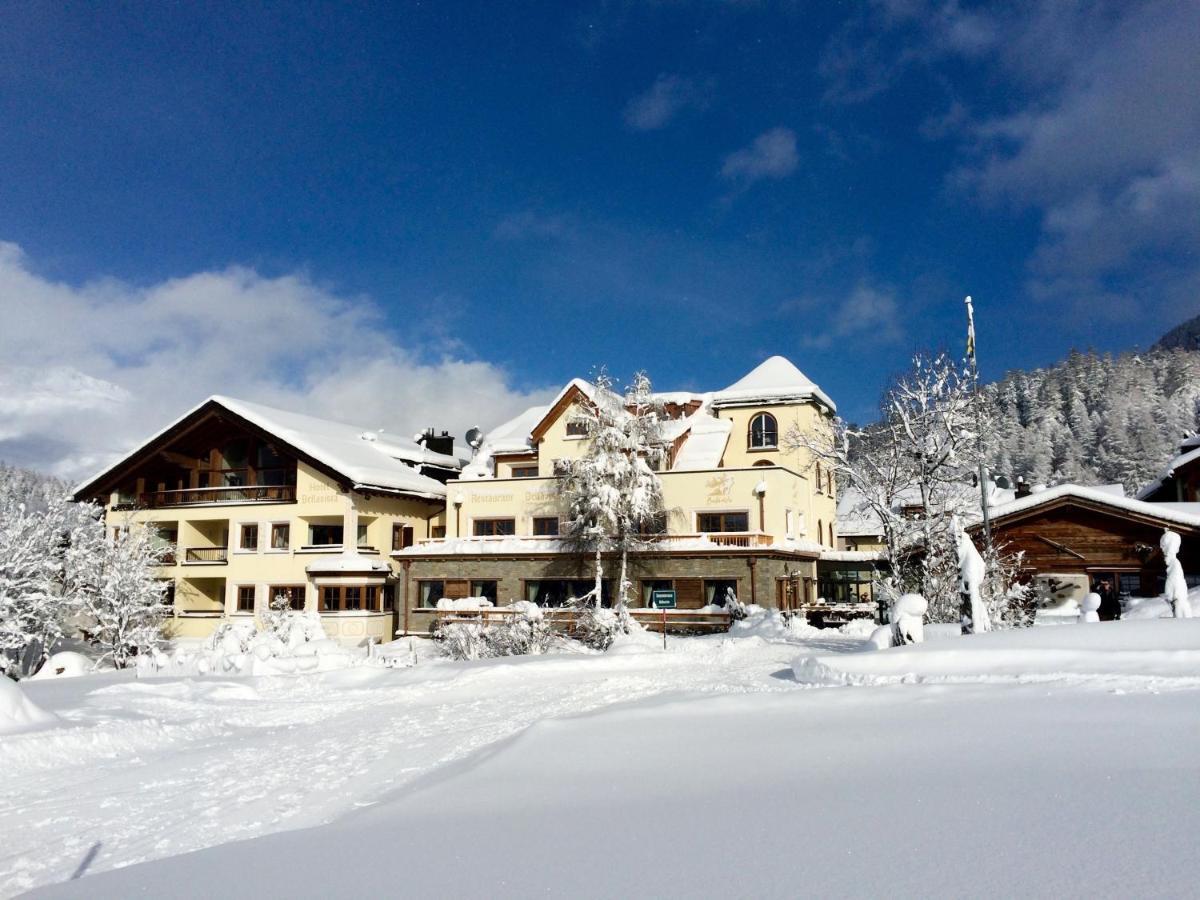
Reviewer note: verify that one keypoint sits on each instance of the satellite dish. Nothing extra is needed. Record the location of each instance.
(1003, 483)
(475, 438)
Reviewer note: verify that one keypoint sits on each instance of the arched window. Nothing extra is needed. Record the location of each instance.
(819, 485)
(764, 462)
(820, 531)
(764, 433)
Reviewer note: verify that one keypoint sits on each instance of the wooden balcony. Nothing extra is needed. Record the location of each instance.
(246, 493)
(206, 556)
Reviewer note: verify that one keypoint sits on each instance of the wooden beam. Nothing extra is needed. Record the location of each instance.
(1062, 548)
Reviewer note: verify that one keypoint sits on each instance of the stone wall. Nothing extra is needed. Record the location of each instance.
(765, 568)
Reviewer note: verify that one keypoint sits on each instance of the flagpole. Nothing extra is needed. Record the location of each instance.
(983, 472)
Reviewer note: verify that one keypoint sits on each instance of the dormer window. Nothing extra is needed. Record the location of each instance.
(764, 432)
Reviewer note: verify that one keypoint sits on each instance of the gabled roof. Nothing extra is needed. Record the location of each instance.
(1095, 498)
(776, 380)
(360, 458)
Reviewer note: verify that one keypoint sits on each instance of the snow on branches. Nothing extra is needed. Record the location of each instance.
(58, 570)
(612, 492)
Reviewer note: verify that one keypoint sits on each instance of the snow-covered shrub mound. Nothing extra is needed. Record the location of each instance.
(295, 643)
(18, 712)
(66, 664)
(526, 632)
(464, 603)
(598, 627)
(773, 625)
(859, 628)
(1154, 607)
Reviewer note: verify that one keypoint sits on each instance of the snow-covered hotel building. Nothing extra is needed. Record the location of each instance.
(253, 502)
(743, 512)
(372, 531)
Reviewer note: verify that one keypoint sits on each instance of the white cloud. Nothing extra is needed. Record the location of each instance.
(87, 371)
(770, 155)
(1100, 136)
(869, 315)
(664, 100)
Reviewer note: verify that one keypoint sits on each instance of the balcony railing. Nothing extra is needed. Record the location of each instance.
(246, 493)
(206, 555)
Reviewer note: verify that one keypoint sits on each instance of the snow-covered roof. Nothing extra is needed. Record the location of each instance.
(1178, 462)
(852, 555)
(705, 443)
(348, 563)
(362, 457)
(772, 381)
(517, 544)
(1165, 512)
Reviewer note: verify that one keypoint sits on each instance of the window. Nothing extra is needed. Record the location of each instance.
(820, 531)
(655, 584)
(764, 462)
(362, 535)
(431, 592)
(819, 481)
(488, 589)
(324, 535)
(352, 598)
(330, 599)
(294, 593)
(764, 432)
(281, 536)
(495, 527)
(249, 537)
(717, 591)
(723, 521)
(545, 526)
(524, 471)
(577, 429)
(437, 531)
(388, 594)
(787, 523)
(557, 591)
(829, 482)
(245, 598)
(402, 536)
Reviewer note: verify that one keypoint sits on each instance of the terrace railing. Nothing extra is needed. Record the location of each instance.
(246, 493)
(206, 555)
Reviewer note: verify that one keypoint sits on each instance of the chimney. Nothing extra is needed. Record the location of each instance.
(438, 443)
(1023, 488)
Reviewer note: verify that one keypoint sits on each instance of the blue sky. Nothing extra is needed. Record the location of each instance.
(533, 189)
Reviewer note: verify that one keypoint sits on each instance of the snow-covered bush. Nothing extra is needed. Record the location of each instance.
(525, 632)
(1089, 608)
(598, 626)
(908, 620)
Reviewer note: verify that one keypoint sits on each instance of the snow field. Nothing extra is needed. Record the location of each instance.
(155, 767)
(1053, 762)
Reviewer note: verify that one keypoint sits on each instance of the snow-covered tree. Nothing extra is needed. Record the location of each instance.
(612, 492)
(915, 470)
(45, 554)
(121, 607)
(1095, 419)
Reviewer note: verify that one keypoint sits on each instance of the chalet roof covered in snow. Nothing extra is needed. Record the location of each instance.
(364, 458)
(775, 380)
(1191, 453)
(1164, 512)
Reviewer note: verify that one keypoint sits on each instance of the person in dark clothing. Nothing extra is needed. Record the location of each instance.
(1110, 605)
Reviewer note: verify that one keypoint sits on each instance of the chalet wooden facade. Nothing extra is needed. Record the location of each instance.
(1072, 537)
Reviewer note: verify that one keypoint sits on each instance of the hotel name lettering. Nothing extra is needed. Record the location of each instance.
(491, 498)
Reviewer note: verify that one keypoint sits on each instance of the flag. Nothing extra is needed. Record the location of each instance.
(970, 331)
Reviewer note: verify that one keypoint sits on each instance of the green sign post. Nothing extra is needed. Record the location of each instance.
(663, 600)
